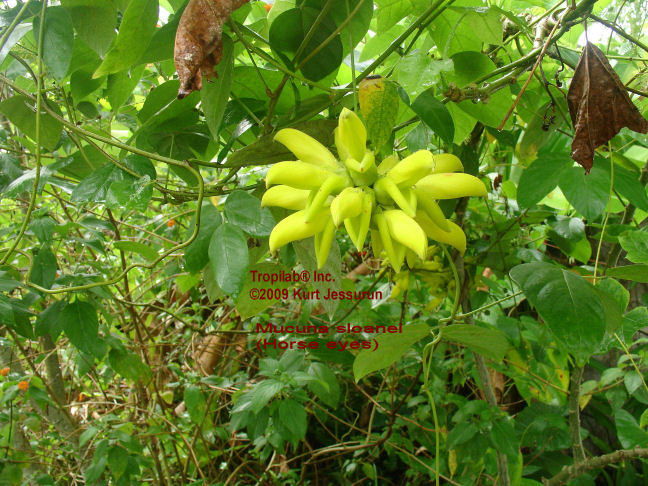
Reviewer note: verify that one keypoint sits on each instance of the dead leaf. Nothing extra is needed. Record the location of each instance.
(198, 43)
(599, 106)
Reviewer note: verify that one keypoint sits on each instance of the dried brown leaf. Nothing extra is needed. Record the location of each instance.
(599, 106)
(198, 42)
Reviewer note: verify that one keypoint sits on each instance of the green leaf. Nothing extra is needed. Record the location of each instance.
(391, 348)
(287, 32)
(628, 430)
(379, 105)
(435, 115)
(487, 25)
(43, 228)
(9, 170)
(81, 326)
(634, 320)
(293, 417)
(636, 273)
(248, 306)
(121, 86)
(567, 303)
(22, 112)
(43, 271)
(588, 193)
(244, 210)
(135, 33)
(58, 39)
(135, 247)
(196, 404)
(163, 40)
(228, 256)
(632, 381)
(197, 253)
(262, 393)
(130, 195)
(487, 341)
(390, 12)
(326, 387)
(95, 187)
(636, 244)
(18, 33)
(461, 434)
(49, 321)
(15, 314)
(469, 67)
(128, 364)
(628, 185)
(616, 290)
(465, 29)
(94, 22)
(215, 94)
(504, 438)
(117, 460)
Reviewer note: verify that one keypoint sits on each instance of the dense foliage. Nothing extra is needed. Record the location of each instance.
(131, 234)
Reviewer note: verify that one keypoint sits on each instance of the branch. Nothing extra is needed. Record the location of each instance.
(575, 470)
(574, 415)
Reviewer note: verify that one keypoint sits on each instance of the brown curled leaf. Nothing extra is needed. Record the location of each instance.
(599, 106)
(198, 42)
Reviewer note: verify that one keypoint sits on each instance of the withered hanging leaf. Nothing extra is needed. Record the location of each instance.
(599, 106)
(198, 42)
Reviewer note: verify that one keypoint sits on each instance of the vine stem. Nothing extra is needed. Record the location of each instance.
(607, 215)
(12, 25)
(39, 100)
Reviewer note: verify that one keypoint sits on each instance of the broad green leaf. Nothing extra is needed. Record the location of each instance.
(136, 247)
(9, 170)
(245, 211)
(628, 430)
(486, 24)
(588, 193)
(390, 12)
(628, 185)
(379, 105)
(197, 253)
(43, 228)
(19, 31)
(452, 31)
(196, 404)
(15, 314)
(417, 72)
(489, 342)
(94, 22)
(435, 115)
(58, 39)
(636, 244)
(22, 112)
(262, 393)
(356, 29)
(121, 86)
(81, 326)
(84, 162)
(567, 303)
(95, 187)
(215, 94)
(130, 195)
(636, 273)
(228, 256)
(613, 313)
(128, 364)
(49, 321)
(135, 33)
(326, 387)
(163, 40)
(246, 305)
(288, 31)
(504, 438)
(293, 417)
(634, 320)
(82, 84)
(616, 290)
(118, 461)
(391, 348)
(460, 434)
(632, 381)
(43, 271)
(469, 67)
